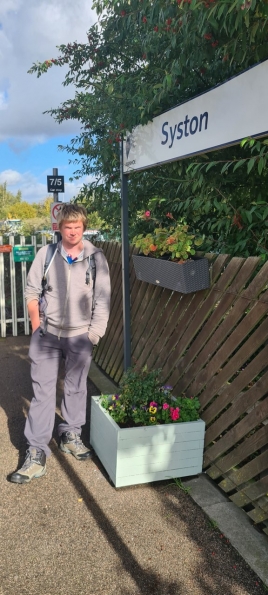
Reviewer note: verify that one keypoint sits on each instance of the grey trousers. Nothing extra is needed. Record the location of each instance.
(46, 353)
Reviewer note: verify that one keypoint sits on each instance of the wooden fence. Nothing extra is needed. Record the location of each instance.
(212, 344)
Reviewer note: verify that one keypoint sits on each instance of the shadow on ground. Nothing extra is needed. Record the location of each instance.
(81, 535)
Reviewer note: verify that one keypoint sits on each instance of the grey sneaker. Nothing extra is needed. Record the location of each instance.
(71, 443)
(33, 467)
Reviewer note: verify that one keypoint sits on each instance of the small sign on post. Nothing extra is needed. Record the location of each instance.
(5, 248)
(55, 183)
(23, 253)
(55, 208)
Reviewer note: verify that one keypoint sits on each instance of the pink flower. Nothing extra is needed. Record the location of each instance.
(153, 404)
(166, 406)
(147, 213)
(175, 413)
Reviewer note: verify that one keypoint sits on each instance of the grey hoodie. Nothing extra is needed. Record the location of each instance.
(68, 300)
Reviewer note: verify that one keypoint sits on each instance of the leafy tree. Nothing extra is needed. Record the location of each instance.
(43, 207)
(21, 210)
(141, 59)
(6, 200)
(95, 221)
(33, 225)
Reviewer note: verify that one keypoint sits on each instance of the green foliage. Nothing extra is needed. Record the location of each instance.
(7, 199)
(143, 401)
(173, 241)
(36, 224)
(141, 59)
(94, 221)
(21, 210)
(43, 207)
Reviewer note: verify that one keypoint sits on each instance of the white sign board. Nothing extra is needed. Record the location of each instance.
(225, 115)
(55, 207)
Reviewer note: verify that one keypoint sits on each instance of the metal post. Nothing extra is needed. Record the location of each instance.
(125, 265)
(56, 199)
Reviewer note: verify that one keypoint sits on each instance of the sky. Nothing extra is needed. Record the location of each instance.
(30, 30)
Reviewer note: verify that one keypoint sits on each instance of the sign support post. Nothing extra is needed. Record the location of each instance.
(125, 264)
(55, 184)
(56, 199)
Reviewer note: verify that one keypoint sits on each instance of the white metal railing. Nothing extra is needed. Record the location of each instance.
(6, 258)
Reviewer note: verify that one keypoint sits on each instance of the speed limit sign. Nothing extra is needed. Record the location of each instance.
(55, 208)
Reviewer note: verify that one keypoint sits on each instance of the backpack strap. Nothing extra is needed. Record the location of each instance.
(50, 255)
(91, 271)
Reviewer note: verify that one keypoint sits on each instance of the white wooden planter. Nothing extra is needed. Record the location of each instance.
(144, 454)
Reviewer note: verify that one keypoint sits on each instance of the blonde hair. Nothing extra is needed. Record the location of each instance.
(72, 212)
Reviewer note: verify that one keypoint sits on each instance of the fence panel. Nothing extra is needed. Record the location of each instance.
(212, 344)
(12, 285)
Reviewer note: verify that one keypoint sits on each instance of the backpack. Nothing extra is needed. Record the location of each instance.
(50, 255)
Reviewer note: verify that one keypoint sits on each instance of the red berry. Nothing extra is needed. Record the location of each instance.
(123, 13)
(144, 20)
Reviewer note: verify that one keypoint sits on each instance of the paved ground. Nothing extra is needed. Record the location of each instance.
(71, 532)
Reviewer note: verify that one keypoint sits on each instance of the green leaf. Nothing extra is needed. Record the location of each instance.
(237, 165)
(210, 165)
(251, 163)
(261, 165)
(265, 214)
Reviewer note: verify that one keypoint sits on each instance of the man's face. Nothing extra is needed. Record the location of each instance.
(72, 232)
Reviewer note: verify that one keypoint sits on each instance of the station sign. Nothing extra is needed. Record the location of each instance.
(223, 116)
(5, 248)
(23, 253)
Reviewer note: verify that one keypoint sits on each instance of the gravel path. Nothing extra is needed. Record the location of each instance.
(71, 532)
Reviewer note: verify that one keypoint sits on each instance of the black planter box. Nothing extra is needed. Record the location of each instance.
(187, 277)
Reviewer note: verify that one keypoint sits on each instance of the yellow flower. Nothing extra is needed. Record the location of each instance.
(152, 418)
(111, 407)
(113, 398)
(152, 409)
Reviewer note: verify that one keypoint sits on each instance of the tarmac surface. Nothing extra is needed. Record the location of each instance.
(71, 532)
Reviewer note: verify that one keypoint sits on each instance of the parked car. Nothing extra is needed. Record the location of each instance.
(93, 234)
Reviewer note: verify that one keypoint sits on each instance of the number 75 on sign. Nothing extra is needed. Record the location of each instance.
(55, 183)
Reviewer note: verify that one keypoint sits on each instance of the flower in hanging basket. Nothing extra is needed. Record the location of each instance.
(173, 241)
(144, 401)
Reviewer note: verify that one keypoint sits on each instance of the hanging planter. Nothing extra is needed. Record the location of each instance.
(168, 258)
(186, 277)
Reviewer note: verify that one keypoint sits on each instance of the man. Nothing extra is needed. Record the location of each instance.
(65, 323)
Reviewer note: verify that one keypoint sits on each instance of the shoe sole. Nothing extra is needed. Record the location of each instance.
(70, 452)
(25, 479)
